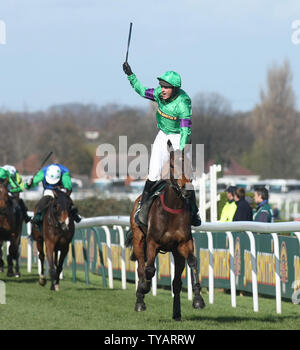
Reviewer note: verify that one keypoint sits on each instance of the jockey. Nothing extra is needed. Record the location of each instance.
(15, 186)
(53, 176)
(174, 122)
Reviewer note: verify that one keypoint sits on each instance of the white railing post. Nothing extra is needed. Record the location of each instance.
(189, 283)
(297, 234)
(172, 268)
(136, 275)
(29, 248)
(213, 191)
(202, 197)
(210, 268)
(122, 245)
(277, 273)
(231, 263)
(109, 260)
(254, 270)
(154, 281)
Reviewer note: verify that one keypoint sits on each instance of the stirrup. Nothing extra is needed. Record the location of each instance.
(195, 220)
(77, 218)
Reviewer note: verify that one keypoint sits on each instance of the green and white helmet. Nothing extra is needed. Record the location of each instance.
(11, 169)
(53, 174)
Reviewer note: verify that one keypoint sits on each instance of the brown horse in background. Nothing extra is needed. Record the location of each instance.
(11, 220)
(57, 232)
(168, 230)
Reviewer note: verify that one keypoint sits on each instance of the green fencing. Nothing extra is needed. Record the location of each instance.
(98, 250)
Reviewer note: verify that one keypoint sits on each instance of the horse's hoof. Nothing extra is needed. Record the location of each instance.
(1, 269)
(42, 281)
(198, 303)
(56, 287)
(10, 274)
(140, 307)
(17, 275)
(177, 318)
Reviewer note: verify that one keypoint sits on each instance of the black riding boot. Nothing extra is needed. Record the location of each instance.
(141, 214)
(24, 210)
(40, 210)
(74, 214)
(195, 218)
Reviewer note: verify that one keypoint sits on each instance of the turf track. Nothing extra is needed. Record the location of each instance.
(78, 306)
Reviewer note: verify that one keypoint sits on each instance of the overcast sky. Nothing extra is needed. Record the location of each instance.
(65, 51)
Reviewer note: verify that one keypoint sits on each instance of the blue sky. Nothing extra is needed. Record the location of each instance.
(65, 51)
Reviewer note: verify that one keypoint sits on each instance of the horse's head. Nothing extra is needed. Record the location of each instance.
(180, 172)
(3, 193)
(61, 208)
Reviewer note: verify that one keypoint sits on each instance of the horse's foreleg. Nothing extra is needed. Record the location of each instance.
(140, 293)
(150, 268)
(139, 253)
(59, 268)
(145, 274)
(187, 250)
(177, 284)
(10, 270)
(50, 258)
(13, 254)
(198, 302)
(1, 257)
(17, 253)
(40, 248)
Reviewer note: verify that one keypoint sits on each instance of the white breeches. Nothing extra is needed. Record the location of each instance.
(48, 193)
(160, 156)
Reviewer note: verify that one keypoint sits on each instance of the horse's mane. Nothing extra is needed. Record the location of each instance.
(62, 197)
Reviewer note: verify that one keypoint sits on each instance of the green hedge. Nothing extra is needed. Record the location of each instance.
(101, 207)
(98, 207)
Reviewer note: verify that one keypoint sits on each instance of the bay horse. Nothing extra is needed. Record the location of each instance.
(168, 230)
(11, 220)
(57, 232)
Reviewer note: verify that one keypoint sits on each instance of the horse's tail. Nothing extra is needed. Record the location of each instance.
(129, 243)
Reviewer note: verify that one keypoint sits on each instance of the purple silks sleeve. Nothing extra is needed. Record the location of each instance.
(185, 123)
(149, 93)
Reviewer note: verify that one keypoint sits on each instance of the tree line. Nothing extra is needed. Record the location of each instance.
(265, 139)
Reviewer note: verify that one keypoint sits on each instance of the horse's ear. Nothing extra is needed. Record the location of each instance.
(55, 193)
(5, 182)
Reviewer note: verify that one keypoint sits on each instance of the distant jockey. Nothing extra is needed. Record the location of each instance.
(54, 176)
(15, 186)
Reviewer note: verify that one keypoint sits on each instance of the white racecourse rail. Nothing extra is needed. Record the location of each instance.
(208, 227)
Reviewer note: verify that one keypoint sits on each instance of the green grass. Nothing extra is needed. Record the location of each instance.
(78, 306)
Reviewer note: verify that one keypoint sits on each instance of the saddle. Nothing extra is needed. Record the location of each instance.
(41, 208)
